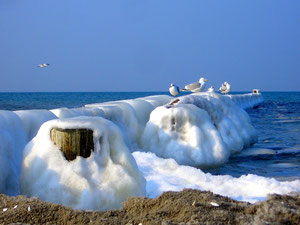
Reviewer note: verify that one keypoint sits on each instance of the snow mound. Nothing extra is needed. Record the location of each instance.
(100, 182)
(200, 130)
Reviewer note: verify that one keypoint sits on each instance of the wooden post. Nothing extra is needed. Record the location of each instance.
(73, 142)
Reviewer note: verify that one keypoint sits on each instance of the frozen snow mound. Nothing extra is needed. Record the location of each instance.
(131, 115)
(100, 182)
(154, 100)
(33, 119)
(68, 113)
(246, 101)
(200, 130)
(12, 142)
(125, 117)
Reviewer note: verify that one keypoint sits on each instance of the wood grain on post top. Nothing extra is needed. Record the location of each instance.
(73, 142)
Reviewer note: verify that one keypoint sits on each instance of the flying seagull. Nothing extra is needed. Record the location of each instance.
(225, 88)
(197, 86)
(43, 65)
(174, 90)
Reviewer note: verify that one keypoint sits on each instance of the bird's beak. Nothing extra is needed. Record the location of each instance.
(206, 80)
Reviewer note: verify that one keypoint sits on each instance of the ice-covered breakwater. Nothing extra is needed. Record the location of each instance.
(201, 129)
(131, 117)
(246, 101)
(122, 120)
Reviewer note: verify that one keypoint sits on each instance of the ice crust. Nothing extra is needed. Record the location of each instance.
(201, 130)
(33, 119)
(12, 142)
(246, 101)
(166, 175)
(131, 115)
(101, 182)
(68, 113)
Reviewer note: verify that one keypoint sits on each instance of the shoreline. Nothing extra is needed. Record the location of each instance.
(185, 207)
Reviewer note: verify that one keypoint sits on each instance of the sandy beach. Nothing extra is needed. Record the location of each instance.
(185, 207)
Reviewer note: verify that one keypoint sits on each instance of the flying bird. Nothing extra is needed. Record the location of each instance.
(174, 90)
(196, 86)
(225, 88)
(43, 65)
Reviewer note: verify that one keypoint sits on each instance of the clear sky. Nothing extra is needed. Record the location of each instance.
(144, 45)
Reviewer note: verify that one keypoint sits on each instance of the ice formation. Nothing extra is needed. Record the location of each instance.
(157, 100)
(99, 182)
(200, 129)
(131, 115)
(246, 101)
(12, 142)
(68, 113)
(33, 119)
(166, 175)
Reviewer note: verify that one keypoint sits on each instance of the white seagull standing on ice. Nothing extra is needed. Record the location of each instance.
(197, 86)
(43, 65)
(225, 88)
(174, 90)
(211, 89)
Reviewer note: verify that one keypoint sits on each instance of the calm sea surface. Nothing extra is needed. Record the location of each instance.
(53, 100)
(277, 121)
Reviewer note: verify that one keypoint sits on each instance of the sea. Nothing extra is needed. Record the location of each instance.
(277, 121)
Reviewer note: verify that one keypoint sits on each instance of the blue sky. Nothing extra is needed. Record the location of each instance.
(144, 45)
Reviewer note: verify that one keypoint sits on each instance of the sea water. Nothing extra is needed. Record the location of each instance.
(277, 152)
(277, 121)
(52, 100)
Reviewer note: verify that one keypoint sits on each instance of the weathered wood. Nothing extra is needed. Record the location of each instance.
(73, 142)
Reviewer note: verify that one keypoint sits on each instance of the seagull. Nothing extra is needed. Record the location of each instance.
(225, 88)
(174, 90)
(197, 86)
(211, 89)
(43, 65)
